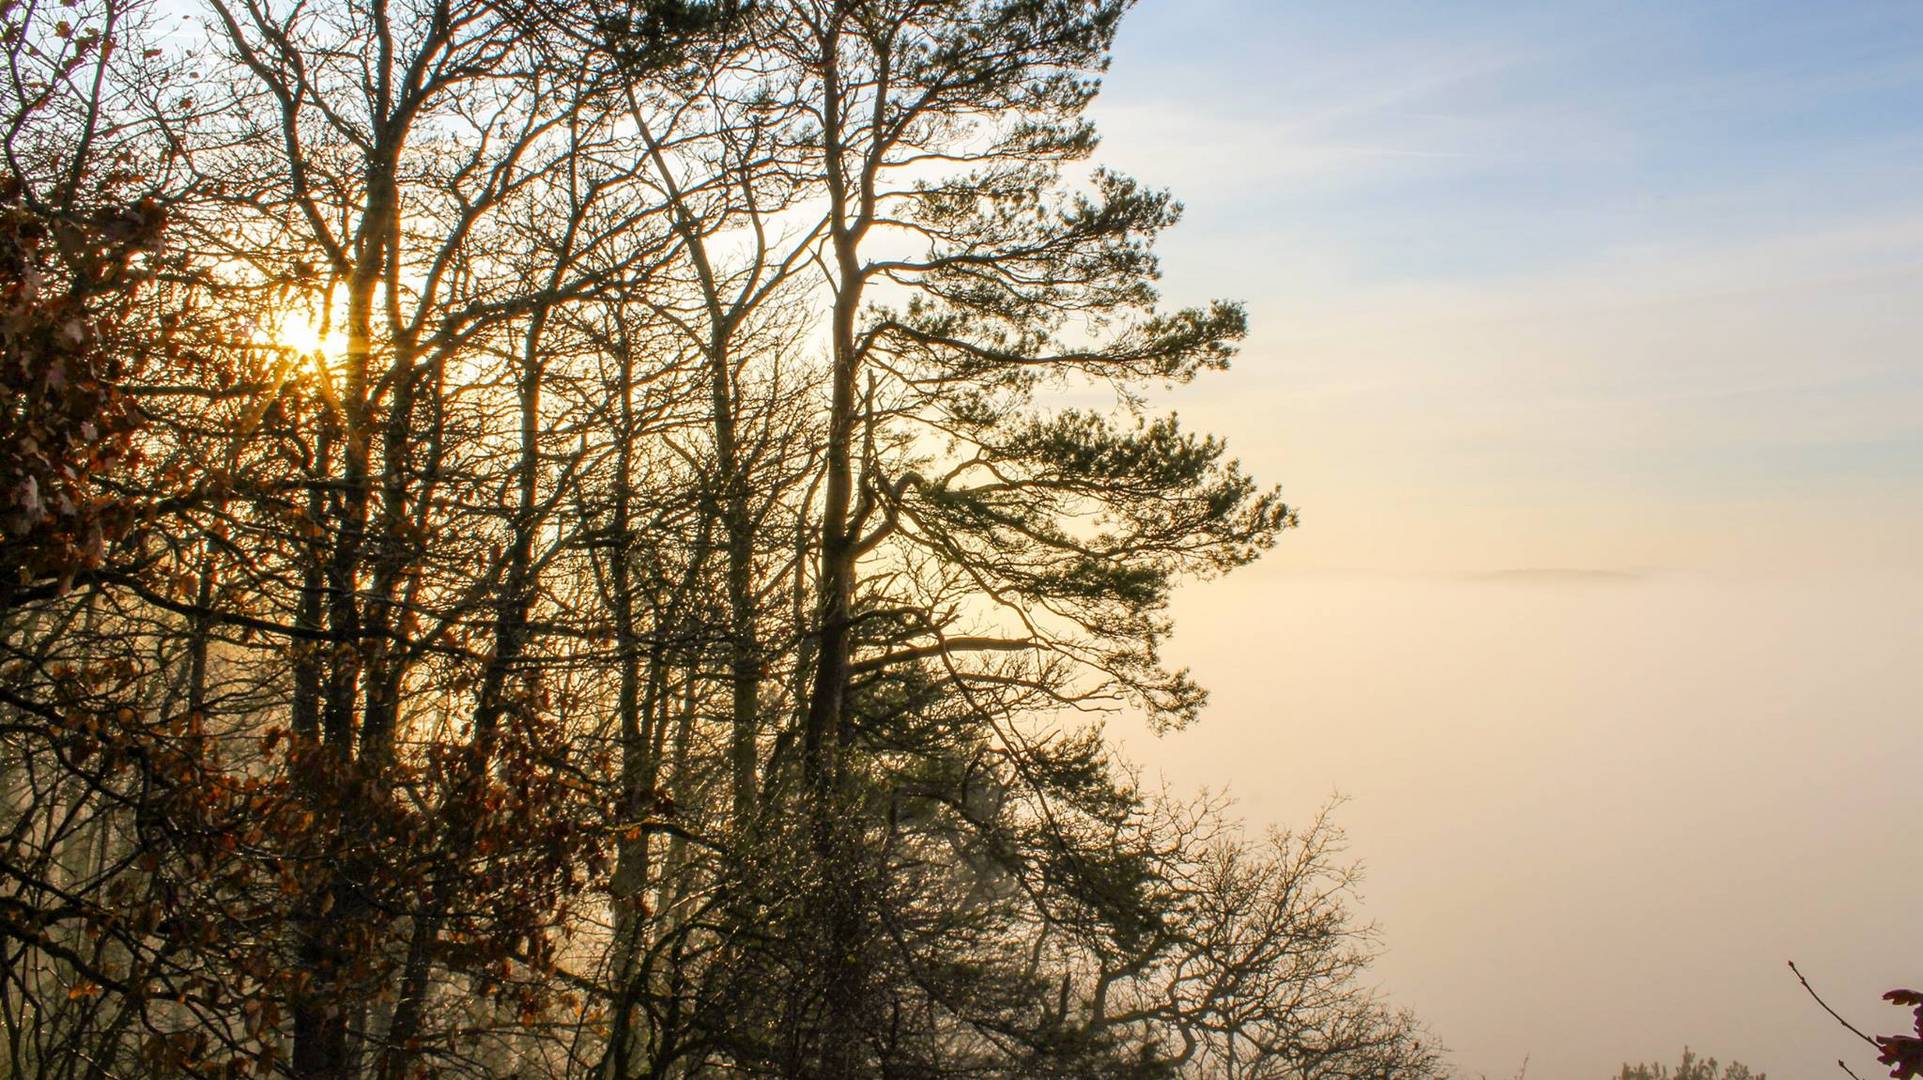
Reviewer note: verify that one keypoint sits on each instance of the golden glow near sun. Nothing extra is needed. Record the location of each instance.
(299, 331)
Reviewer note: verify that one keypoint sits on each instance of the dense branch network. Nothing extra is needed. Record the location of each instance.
(596, 540)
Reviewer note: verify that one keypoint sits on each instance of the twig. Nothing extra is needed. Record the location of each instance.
(1826, 1008)
(1847, 1069)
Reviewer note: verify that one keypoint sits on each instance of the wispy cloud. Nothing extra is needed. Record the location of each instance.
(1558, 576)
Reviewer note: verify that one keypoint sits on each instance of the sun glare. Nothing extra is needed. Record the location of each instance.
(298, 331)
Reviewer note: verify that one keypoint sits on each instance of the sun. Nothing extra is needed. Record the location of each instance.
(298, 331)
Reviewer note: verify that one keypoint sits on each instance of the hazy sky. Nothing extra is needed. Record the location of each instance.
(1587, 340)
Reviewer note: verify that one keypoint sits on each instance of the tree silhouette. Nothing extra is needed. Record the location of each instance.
(596, 540)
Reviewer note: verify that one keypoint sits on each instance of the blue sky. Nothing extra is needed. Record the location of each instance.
(1672, 250)
(1624, 287)
(1486, 140)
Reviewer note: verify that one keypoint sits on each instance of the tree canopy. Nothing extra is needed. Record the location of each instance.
(597, 540)
(1691, 1067)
